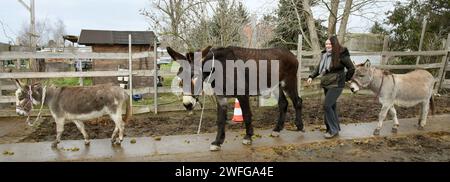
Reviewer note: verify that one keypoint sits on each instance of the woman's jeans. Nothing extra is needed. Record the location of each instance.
(329, 106)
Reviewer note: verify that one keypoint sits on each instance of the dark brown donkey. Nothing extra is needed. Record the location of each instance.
(285, 85)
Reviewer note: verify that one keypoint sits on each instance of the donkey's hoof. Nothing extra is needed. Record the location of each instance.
(376, 132)
(275, 134)
(214, 148)
(246, 142)
(55, 144)
(394, 130)
(421, 128)
(116, 142)
(87, 142)
(301, 128)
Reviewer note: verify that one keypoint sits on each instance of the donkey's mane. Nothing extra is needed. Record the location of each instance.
(385, 72)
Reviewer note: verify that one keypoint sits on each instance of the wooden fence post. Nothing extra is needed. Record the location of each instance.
(80, 80)
(155, 76)
(384, 58)
(17, 64)
(130, 74)
(1, 94)
(444, 62)
(422, 35)
(299, 58)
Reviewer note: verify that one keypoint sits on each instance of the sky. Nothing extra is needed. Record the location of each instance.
(122, 15)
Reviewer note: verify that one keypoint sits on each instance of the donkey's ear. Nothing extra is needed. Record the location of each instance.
(205, 51)
(18, 84)
(175, 55)
(367, 64)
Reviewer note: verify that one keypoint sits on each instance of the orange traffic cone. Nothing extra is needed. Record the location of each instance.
(237, 116)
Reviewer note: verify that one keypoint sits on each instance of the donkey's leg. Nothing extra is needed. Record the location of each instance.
(297, 102)
(420, 115)
(424, 114)
(381, 117)
(221, 119)
(247, 114)
(59, 129)
(117, 118)
(393, 113)
(282, 108)
(80, 126)
(114, 134)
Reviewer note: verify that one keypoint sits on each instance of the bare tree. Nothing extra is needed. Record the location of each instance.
(58, 31)
(305, 13)
(170, 18)
(9, 37)
(42, 30)
(311, 25)
(344, 21)
(299, 18)
(264, 32)
(333, 17)
(363, 8)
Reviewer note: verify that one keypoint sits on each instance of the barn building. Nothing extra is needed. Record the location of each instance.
(109, 41)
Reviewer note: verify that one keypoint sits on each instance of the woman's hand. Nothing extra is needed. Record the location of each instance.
(309, 81)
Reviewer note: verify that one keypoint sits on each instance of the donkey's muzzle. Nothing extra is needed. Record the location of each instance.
(188, 106)
(20, 112)
(354, 87)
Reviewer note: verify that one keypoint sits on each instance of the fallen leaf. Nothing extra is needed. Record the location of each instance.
(74, 149)
(157, 138)
(8, 153)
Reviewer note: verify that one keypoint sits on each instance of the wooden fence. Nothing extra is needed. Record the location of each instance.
(6, 83)
(308, 60)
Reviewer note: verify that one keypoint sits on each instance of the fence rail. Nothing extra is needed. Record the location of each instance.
(20, 75)
(65, 55)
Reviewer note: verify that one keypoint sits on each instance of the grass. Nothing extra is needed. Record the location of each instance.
(163, 98)
(70, 81)
(168, 81)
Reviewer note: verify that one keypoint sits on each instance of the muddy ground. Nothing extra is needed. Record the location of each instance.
(352, 109)
(431, 147)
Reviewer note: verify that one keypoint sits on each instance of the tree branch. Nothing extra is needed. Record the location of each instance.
(300, 23)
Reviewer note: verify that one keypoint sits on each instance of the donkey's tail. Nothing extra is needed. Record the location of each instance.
(128, 110)
(432, 105)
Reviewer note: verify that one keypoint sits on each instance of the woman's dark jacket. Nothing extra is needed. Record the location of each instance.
(344, 62)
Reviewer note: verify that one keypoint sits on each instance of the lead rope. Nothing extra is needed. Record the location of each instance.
(42, 105)
(204, 96)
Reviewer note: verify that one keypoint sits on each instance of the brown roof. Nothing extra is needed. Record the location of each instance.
(71, 38)
(91, 37)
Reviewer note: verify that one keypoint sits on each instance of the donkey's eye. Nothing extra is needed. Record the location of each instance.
(361, 75)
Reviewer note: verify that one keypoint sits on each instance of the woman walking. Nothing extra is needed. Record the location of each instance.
(333, 62)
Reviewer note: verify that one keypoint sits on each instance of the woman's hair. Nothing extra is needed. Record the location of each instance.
(336, 50)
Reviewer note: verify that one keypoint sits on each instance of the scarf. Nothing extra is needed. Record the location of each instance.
(325, 63)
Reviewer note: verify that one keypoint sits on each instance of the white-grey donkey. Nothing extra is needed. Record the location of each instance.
(410, 89)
